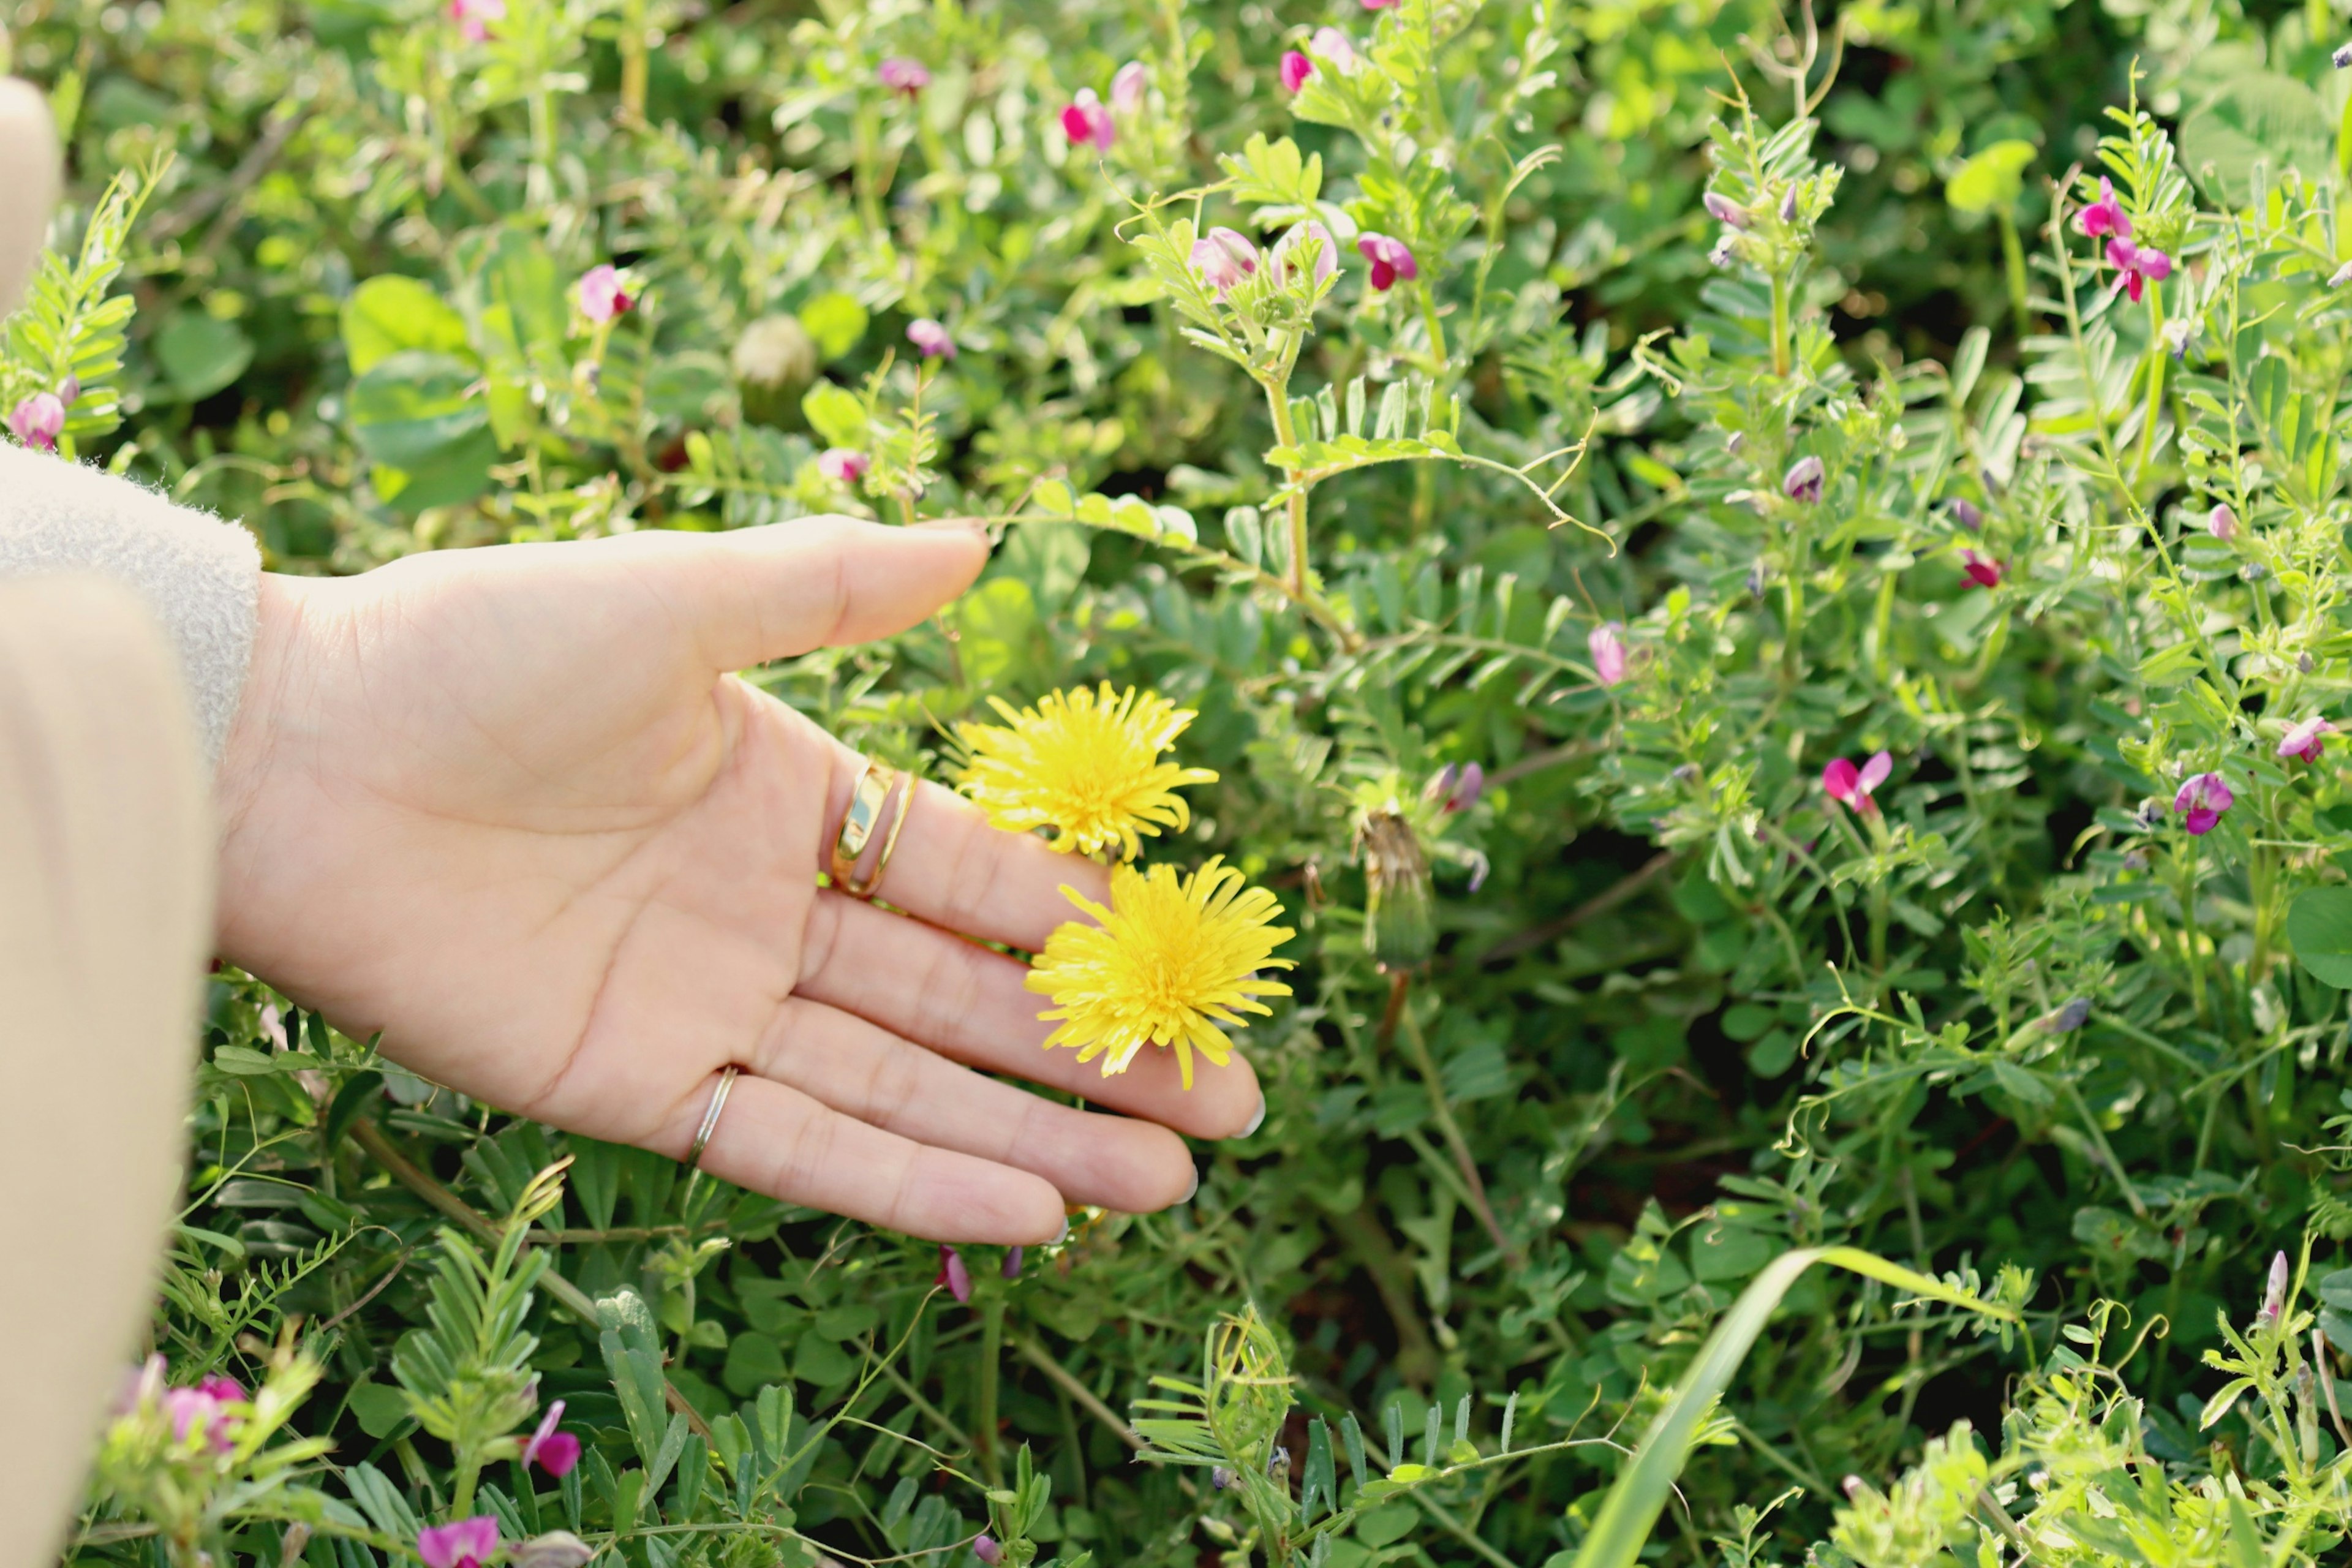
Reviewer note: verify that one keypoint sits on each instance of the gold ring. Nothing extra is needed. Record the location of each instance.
(873, 885)
(727, 1076)
(866, 798)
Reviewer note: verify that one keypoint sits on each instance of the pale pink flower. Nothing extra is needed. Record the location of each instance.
(2105, 217)
(1127, 89)
(1851, 786)
(1723, 209)
(1296, 69)
(2274, 1290)
(474, 18)
(1389, 259)
(1087, 122)
(1802, 483)
(2303, 741)
(2201, 800)
(1608, 651)
(985, 1548)
(2221, 523)
(1326, 251)
(603, 297)
(1223, 257)
(38, 421)
(930, 339)
(900, 74)
(1333, 48)
(462, 1543)
(841, 466)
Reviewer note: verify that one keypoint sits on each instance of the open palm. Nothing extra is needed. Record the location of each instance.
(510, 807)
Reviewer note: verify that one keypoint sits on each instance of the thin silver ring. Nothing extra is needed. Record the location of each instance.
(727, 1076)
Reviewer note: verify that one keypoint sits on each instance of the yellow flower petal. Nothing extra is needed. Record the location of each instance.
(1171, 959)
(1085, 763)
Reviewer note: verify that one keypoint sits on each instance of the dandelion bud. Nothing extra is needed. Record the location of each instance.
(1965, 513)
(2342, 275)
(1398, 929)
(1012, 1266)
(900, 74)
(930, 339)
(1223, 257)
(1126, 87)
(2274, 1290)
(1802, 483)
(1296, 69)
(603, 296)
(2342, 58)
(38, 421)
(1086, 121)
(984, 1547)
(774, 361)
(1723, 209)
(1608, 650)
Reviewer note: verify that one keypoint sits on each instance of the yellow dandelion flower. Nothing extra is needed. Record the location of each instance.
(1171, 959)
(1084, 764)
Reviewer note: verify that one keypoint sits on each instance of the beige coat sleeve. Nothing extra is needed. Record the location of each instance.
(106, 868)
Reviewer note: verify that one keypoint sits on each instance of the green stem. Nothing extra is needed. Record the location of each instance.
(2013, 258)
(633, 63)
(1443, 1113)
(2189, 936)
(1277, 403)
(992, 1354)
(1780, 323)
(2155, 357)
(1437, 355)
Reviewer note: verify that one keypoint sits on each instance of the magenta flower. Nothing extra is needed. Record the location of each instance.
(2136, 268)
(602, 294)
(1127, 87)
(2303, 741)
(201, 1409)
(463, 1543)
(474, 18)
(1326, 251)
(954, 1275)
(1088, 121)
(1378, 4)
(1983, 570)
(2221, 523)
(841, 466)
(553, 1450)
(2201, 800)
(984, 1547)
(1608, 652)
(900, 74)
(1723, 209)
(1223, 257)
(1851, 787)
(1389, 259)
(1296, 69)
(1802, 483)
(1011, 1266)
(930, 339)
(2105, 217)
(1331, 46)
(38, 421)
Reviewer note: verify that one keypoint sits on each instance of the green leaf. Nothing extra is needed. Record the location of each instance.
(414, 407)
(837, 321)
(381, 1410)
(837, 414)
(2320, 928)
(200, 356)
(385, 315)
(1993, 179)
(2259, 118)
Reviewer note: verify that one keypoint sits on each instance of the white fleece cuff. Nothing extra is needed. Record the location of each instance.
(201, 576)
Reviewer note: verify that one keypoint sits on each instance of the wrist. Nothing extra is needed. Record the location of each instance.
(258, 739)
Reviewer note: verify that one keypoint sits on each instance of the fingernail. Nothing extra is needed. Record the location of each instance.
(1259, 1120)
(1062, 1235)
(1194, 1189)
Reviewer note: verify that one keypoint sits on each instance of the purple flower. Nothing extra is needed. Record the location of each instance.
(1608, 652)
(2305, 741)
(1723, 209)
(984, 1547)
(1326, 251)
(555, 1451)
(1465, 793)
(1852, 787)
(2201, 800)
(1966, 513)
(954, 1275)
(603, 296)
(1389, 259)
(2221, 523)
(463, 1543)
(1223, 257)
(1127, 87)
(930, 339)
(2274, 1290)
(1296, 69)
(1219, 1476)
(1010, 1268)
(2136, 269)
(841, 466)
(1088, 122)
(900, 74)
(38, 421)
(2342, 58)
(1983, 570)
(2105, 217)
(1802, 483)
(1331, 46)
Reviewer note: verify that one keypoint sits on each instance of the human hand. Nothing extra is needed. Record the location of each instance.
(510, 807)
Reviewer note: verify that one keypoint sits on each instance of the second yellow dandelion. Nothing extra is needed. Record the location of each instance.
(1085, 763)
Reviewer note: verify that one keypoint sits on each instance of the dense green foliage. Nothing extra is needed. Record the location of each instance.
(1675, 1011)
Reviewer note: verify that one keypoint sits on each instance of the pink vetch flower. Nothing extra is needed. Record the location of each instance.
(603, 296)
(954, 1275)
(203, 1407)
(553, 1450)
(1127, 89)
(1296, 69)
(2135, 267)
(1982, 569)
(1378, 5)
(1087, 122)
(1851, 787)
(2303, 742)
(38, 421)
(2274, 1291)
(2105, 217)
(1326, 251)
(1333, 48)
(2201, 800)
(900, 74)
(1389, 258)
(1723, 209)
(1011, 1266)
(2221, 523)
(930, 339)
(1608, 652)
(1223, 257)
(1455, 787)
(461, 1543)
(841, 466)
(984, 1547)
(1802, 483)
(474, 18)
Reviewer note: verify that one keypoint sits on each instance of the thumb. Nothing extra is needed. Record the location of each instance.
(778, 591)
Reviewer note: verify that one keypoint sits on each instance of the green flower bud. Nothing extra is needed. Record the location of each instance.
(774, 363)
(1399, 932)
